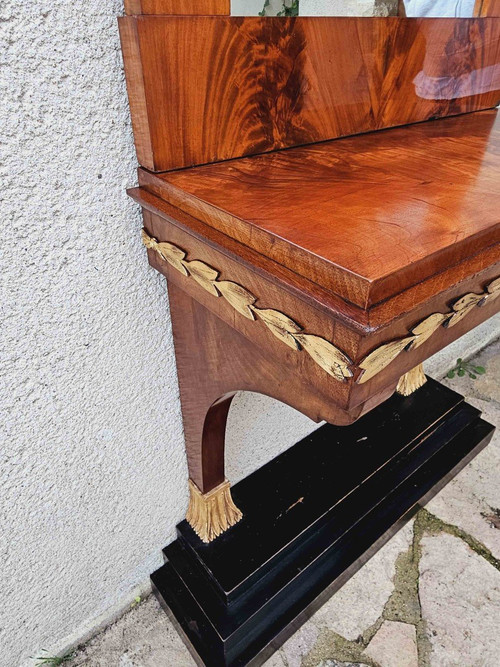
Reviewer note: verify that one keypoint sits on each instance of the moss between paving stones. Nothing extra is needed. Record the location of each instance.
(403, 604)
(331, 646)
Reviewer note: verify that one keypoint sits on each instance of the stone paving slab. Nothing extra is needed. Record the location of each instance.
(144, 637)
(472, 500)
(429, 598)
(394, 645)
(361, 601)
(460, 597)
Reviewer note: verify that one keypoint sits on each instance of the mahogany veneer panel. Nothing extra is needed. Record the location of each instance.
(365, 217)
(178, 7)
(488, 7)
(204, 89)
(332, 400)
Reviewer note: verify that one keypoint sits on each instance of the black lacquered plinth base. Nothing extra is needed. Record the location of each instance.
(312, 517)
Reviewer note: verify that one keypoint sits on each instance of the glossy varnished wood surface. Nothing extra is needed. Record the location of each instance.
(365, 217)
(213, 88)
(488, 7)
(335, 322)
(179, 7)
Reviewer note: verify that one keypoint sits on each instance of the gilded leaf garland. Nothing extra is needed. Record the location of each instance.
(425, 329)
(173, 255)
(204, 275)
(462, 307)
(239, 298)
(492, 291)
(280, 325)
(382, 357)
(325, 354)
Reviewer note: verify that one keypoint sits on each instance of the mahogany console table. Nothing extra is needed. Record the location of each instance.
(320, 242)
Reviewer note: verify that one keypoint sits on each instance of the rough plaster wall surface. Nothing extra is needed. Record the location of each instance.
(93, 472)
(92, 465)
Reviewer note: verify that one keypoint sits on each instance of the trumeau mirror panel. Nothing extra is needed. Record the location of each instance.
(409, 8)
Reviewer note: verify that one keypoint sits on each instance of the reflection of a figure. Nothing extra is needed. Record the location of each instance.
(453, 71)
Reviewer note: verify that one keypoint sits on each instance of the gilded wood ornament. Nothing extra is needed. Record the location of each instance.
(411, 381)
(239, 298)
(212, 513)
(382, 357)
(425, 329)
(492, 291)
(280, 326)
(332, 360)
(462, 307)
(326, 355)
(204, 275)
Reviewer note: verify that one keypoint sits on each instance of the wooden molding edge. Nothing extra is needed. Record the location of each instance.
(134, 79)
(330, 358)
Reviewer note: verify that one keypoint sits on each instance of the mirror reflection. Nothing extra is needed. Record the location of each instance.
(410, 8)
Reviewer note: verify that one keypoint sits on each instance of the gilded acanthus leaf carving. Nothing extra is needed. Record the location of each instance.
(462, 307)
(411, 381)
(240, 298)
(425, 329)
(204, 275)
(382, 357)
(280, 325)
(326, 355)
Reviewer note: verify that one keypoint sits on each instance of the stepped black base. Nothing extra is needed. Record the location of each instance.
(312, 517)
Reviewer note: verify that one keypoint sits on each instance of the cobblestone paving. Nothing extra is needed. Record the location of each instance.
(429, 598)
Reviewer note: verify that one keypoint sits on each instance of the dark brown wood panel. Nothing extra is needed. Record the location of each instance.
(365, 217)
(178, 7)
(223, 87)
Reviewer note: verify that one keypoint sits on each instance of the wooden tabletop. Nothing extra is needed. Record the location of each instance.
(365, 216)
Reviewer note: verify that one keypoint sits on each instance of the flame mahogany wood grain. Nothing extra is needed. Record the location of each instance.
(365, 217)
(215, 88)
(178, 7)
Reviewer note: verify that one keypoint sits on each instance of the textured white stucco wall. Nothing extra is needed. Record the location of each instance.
(92, 467)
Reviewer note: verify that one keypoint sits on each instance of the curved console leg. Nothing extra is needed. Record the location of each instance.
(211, 508)
(214, 361)
(204, 380)
(411, 381)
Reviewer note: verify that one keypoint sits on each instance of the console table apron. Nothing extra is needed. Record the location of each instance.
(322, 275)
